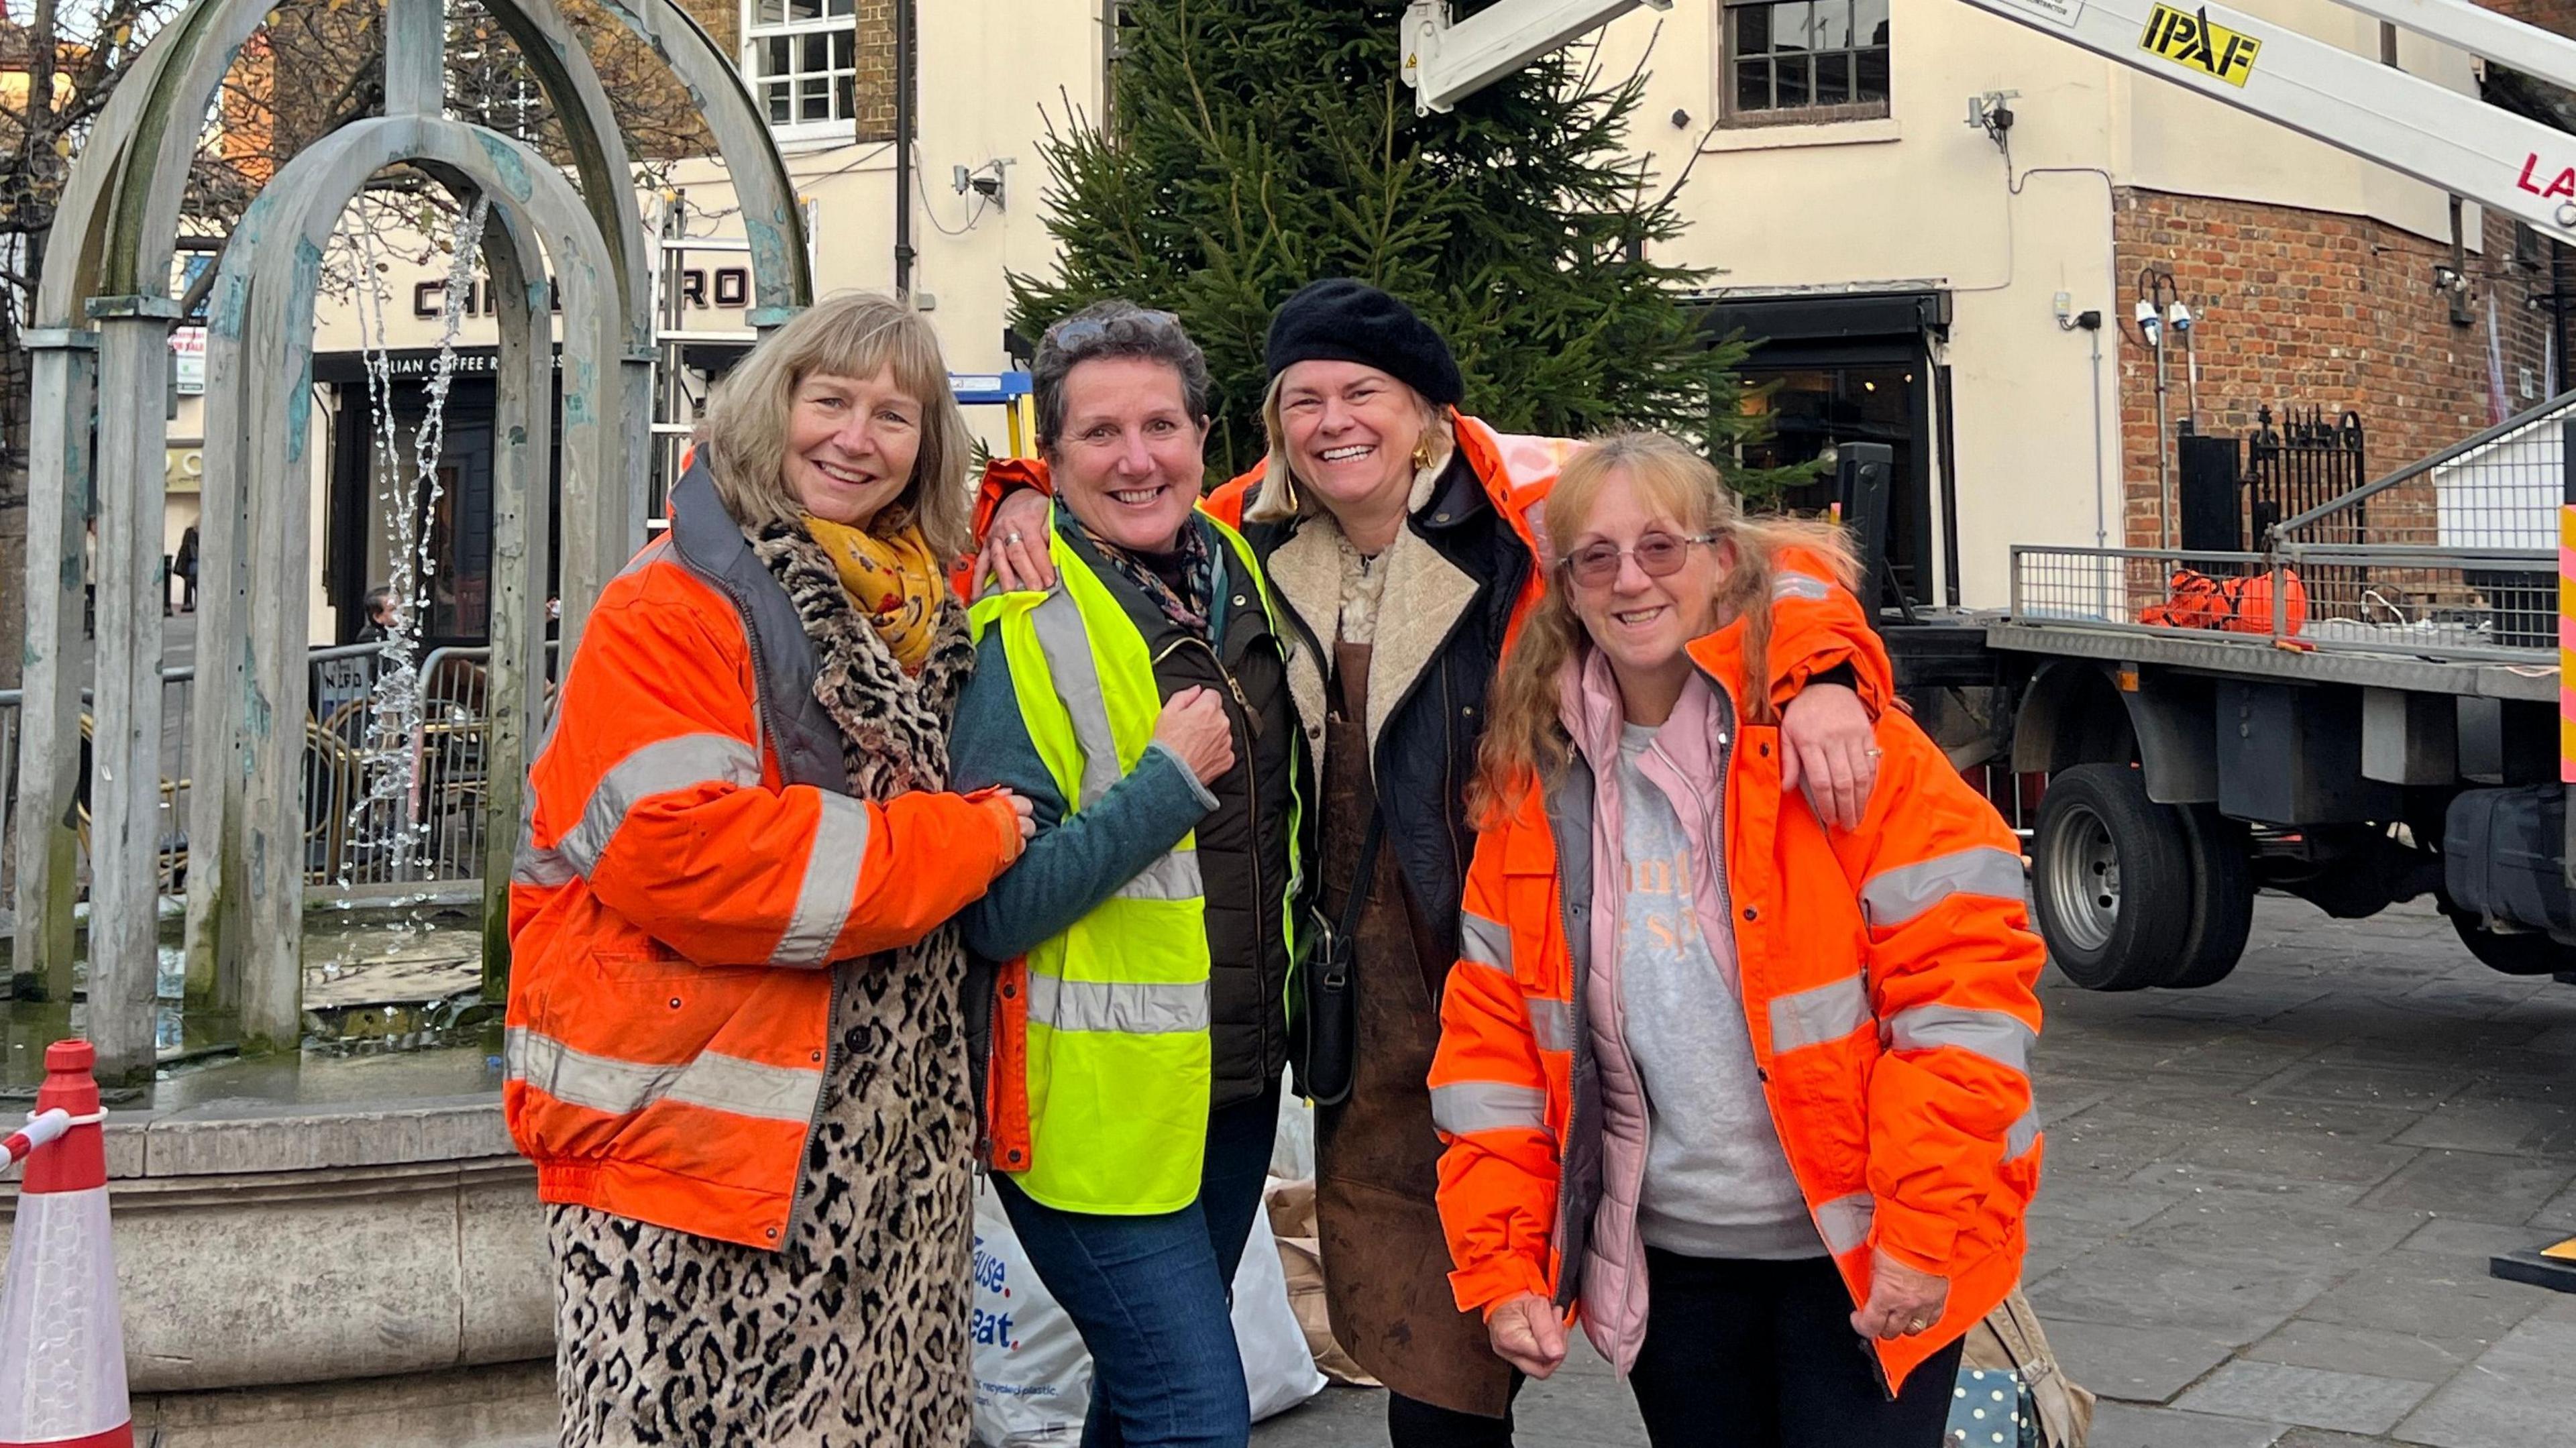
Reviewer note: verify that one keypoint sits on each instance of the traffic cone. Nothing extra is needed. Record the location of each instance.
(62, 1339)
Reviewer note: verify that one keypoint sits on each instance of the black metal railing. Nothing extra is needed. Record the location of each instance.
(2300, 463)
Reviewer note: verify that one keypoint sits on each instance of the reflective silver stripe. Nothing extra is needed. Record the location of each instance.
(1486, 942)
(1174, 875)
(1130, 1008)
(1844, 1221)
(646, 556)
(1487, 1106)
(603, 1083)
(1999, 1036)
(2023, 1135)
(541, 869)
(831, 884)
(1894, 897)
(1799, 585)
(1067, 644)
(1551, 1023)
(658, 768)
(1818, 1014)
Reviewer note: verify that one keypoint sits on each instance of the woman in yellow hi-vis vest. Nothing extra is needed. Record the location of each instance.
(1135, 1027)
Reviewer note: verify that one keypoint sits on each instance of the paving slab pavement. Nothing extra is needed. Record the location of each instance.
(2268, 1206)
(2264, 1223)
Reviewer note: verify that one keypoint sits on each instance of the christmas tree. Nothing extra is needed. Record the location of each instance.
(1253, 146)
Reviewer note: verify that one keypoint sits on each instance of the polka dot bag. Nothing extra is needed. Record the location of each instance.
(1991, 1409)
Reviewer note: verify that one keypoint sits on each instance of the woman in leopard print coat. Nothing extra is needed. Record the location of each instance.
(734, 1043)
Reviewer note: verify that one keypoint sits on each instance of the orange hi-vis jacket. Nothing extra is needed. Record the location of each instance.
(1886, 978)
(693, 866)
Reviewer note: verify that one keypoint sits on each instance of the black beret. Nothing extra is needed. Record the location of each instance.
(1341, 320)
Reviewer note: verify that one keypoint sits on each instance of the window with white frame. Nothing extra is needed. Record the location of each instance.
(1804, 61)
(801, 58)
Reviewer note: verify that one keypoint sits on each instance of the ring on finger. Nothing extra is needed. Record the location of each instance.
(1872, 751)
(1918, 1325)
(1013, 538)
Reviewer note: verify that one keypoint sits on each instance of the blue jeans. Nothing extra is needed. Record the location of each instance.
(1150, 1294)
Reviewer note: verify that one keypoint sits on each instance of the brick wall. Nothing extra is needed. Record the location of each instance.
(876, 80)
(721, 19)
(2554, 15)
(2314, 309)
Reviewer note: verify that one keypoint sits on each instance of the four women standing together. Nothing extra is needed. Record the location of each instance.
(1238, 734)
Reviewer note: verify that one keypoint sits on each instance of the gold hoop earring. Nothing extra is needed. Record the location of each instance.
(1422, 454)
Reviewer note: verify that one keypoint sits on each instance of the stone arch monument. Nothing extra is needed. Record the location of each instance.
(100, 332)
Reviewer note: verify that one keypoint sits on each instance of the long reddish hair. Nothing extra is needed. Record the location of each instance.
(1525, 741)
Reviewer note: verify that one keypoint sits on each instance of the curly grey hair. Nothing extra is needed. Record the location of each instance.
(1114, 328)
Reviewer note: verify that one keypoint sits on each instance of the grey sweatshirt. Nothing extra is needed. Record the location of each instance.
(1717, 1181)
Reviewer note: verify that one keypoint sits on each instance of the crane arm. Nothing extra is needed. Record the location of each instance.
(2457, 143)
(1445, 59)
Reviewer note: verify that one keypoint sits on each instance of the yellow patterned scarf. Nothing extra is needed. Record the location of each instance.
(894, 582)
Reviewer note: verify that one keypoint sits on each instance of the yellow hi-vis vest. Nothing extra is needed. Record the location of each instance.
(1119, 1057)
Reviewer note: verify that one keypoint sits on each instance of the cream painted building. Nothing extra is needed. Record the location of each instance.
(1828, 221)
(1915, 282)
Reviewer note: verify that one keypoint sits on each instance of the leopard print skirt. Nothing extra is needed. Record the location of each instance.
(854, 1332)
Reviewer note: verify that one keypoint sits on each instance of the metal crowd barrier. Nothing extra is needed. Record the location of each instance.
(2454, 556)
(366, 823)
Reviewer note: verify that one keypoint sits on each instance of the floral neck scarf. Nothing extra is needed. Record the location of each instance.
(893, 581)
(1178, 582)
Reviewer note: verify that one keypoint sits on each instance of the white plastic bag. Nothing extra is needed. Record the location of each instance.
(1032, 1375)
(1292, 1151)
(1276, 1364)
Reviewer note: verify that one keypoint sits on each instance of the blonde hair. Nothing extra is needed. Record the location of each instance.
(855, 334)
(1525, 742)
(1278, 499)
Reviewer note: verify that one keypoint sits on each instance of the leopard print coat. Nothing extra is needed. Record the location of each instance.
(854, 1332)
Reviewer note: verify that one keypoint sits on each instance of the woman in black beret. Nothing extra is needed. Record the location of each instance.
(1402, 533)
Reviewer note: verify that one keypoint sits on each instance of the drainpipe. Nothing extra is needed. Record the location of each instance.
(903, 124)
(2091, 322)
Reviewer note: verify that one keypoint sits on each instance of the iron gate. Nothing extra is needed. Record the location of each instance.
(2304, 462)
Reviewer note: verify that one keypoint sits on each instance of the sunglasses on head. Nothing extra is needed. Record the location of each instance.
(1074, 334)
(1659, 554)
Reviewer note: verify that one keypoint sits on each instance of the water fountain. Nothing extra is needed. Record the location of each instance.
(377, 1194)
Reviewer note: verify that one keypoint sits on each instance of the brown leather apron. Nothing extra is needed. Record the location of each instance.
(1386, 1262)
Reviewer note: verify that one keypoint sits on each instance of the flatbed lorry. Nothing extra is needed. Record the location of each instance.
(2357, 722)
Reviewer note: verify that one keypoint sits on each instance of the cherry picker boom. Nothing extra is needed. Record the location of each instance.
(2455, 142)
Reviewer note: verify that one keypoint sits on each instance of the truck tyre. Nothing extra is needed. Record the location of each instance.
(2222, 897)
(2530, 953)
(2110, 879)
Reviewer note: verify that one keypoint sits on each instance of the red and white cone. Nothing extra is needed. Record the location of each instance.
(62, 1339)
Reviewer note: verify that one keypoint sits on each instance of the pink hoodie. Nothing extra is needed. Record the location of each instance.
(1687, 762)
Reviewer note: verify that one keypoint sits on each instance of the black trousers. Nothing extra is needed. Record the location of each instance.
(1746, 1354)
(1412, 1423)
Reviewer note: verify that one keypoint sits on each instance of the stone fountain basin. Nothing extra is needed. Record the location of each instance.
(309, 1220)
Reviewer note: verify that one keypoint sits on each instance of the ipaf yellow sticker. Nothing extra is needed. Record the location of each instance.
(2189, 39)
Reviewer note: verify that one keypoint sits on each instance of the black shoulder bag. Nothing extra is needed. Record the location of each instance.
(1325, 1048)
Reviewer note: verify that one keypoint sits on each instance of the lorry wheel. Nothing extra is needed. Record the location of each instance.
(2111, 879)
(2529, 953)
(2222, 897)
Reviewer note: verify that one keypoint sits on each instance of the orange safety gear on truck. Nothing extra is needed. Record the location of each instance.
(693, 866)
(2231, 605)
(1886, 975)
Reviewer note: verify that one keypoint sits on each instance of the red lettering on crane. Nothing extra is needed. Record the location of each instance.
(2564, 184)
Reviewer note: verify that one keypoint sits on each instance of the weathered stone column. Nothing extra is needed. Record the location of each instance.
(59, 481)
(126, 817)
